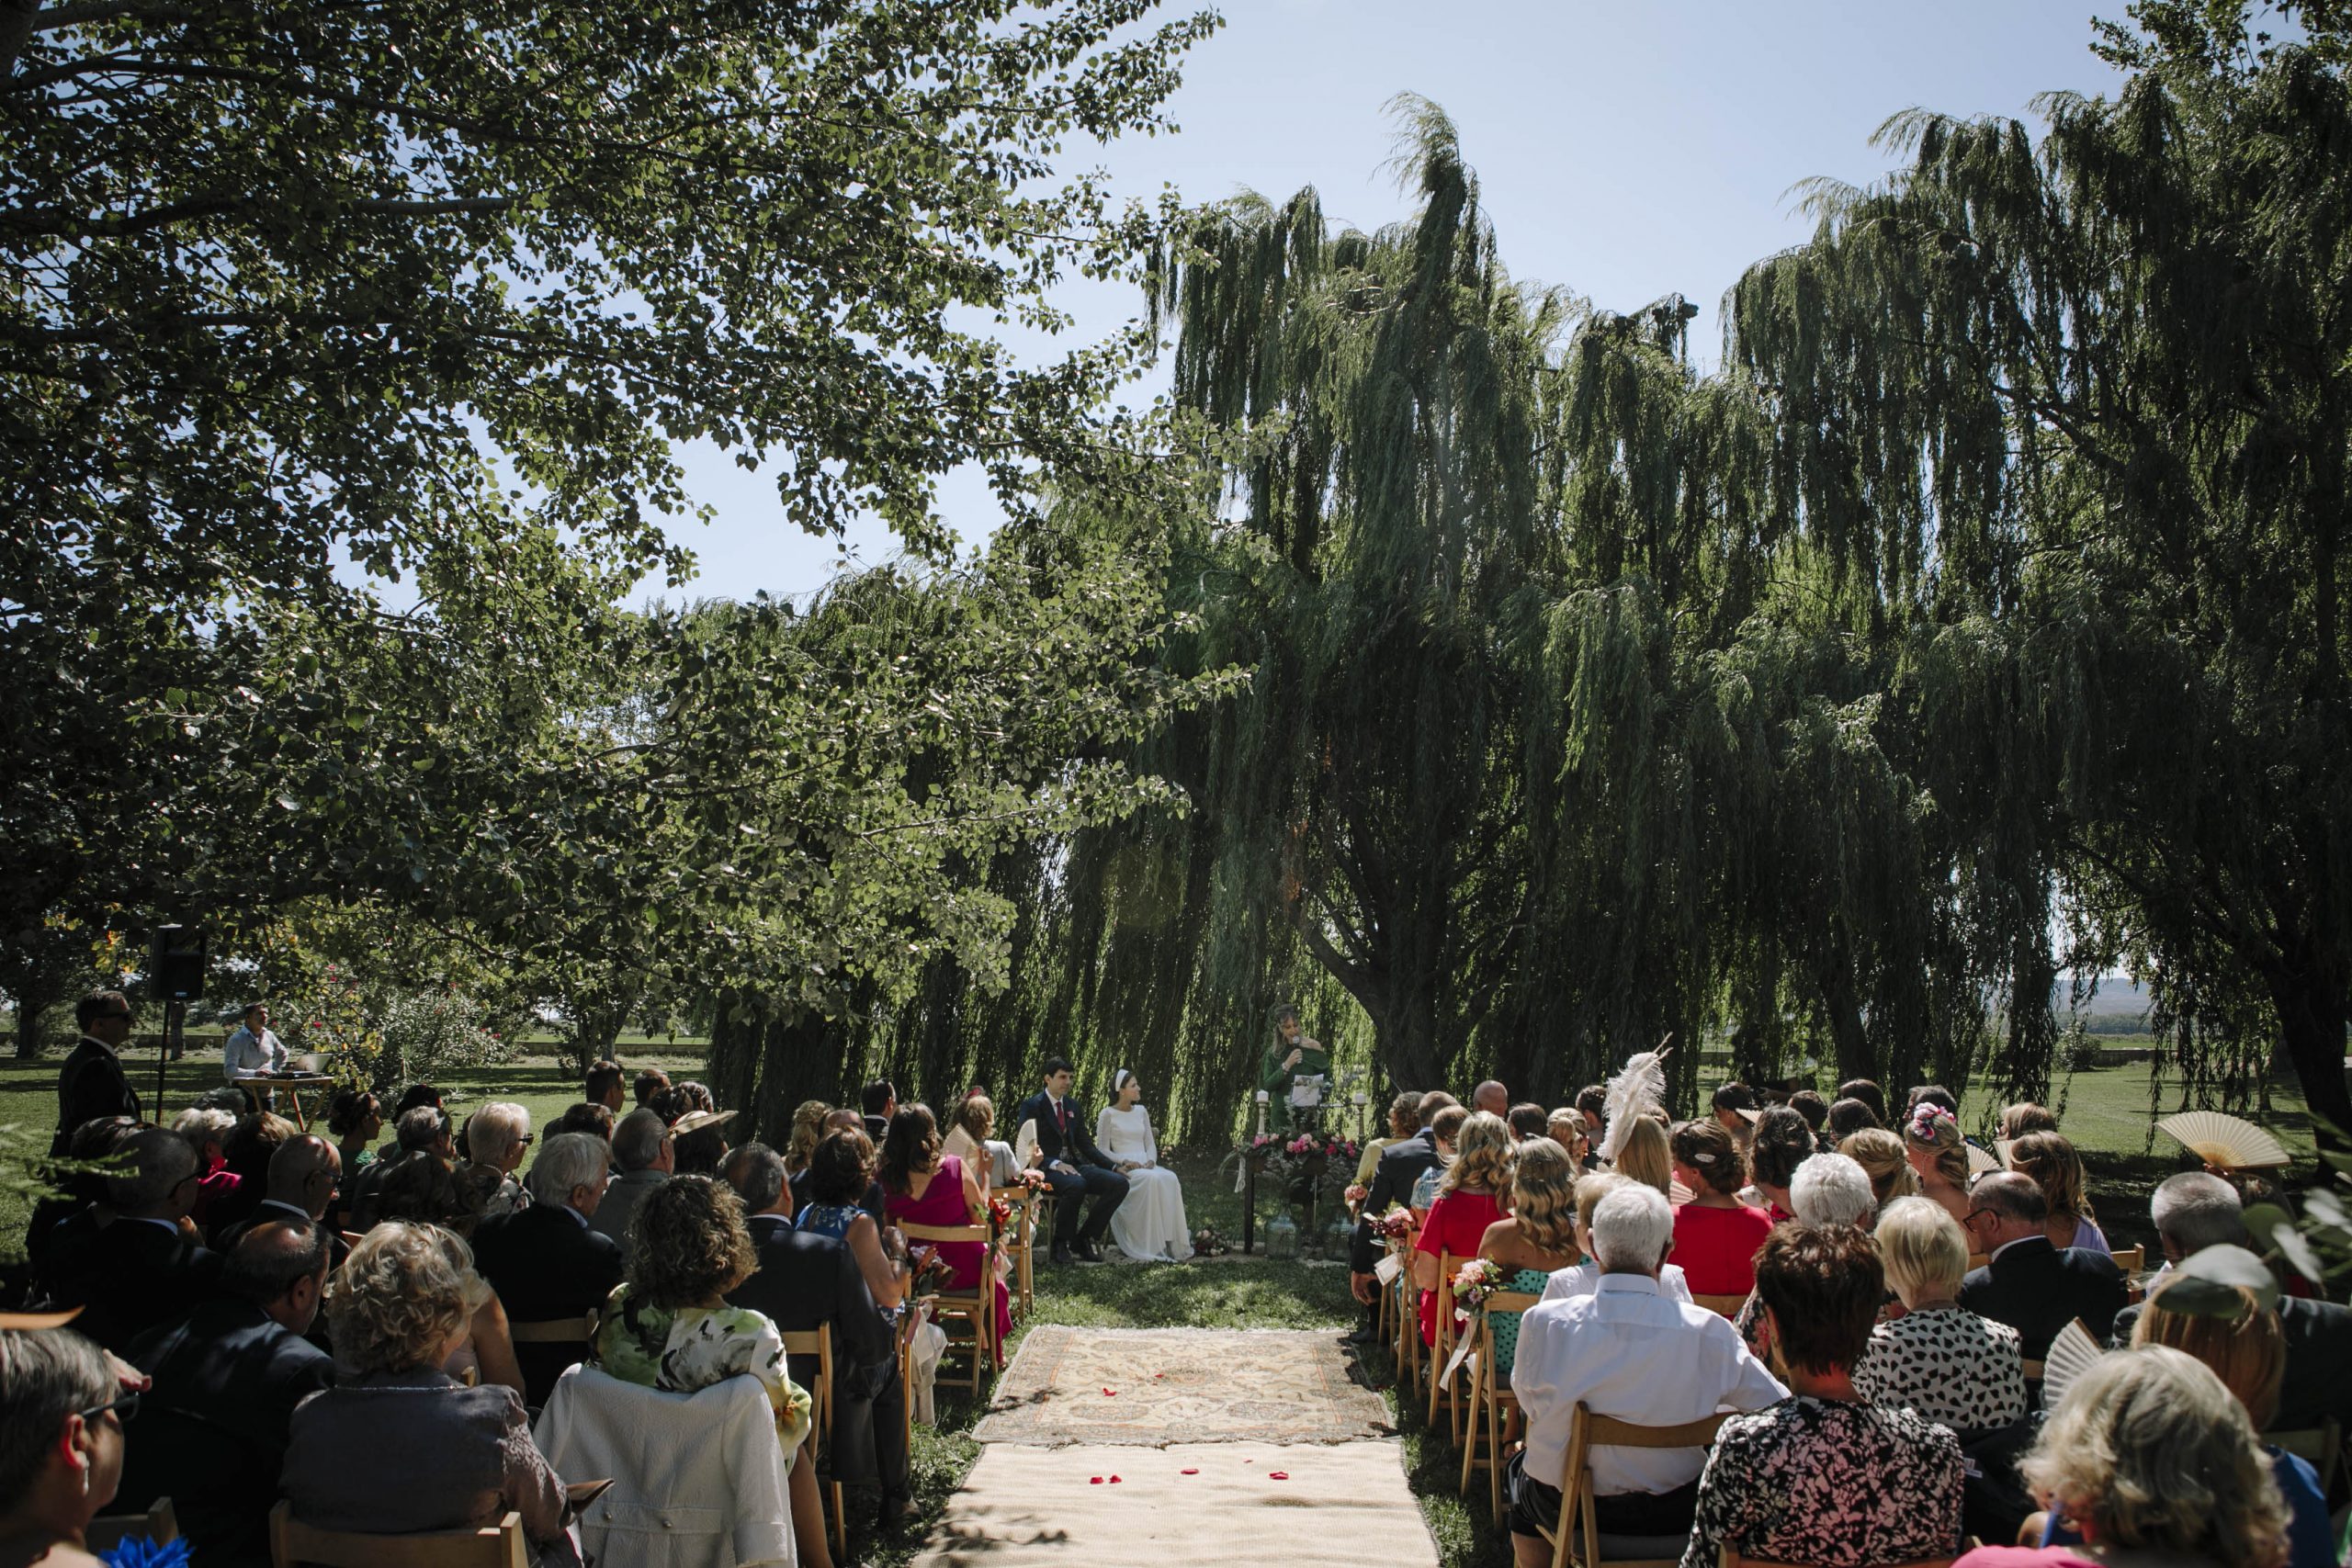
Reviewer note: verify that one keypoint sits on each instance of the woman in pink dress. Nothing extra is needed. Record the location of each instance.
(923, 1186)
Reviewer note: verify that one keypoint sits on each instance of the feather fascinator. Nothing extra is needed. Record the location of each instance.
(1637, 1089)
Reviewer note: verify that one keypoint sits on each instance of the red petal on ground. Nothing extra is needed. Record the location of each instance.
(1193, 1471)
(1114, 1480)
(1094, 1481)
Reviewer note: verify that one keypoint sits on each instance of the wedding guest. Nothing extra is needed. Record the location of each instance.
(642, 1148)
(2050, 1160)
(61, 1444)
(90, 1084)
(253, 1050)
(649, 1084)
(143, 1269)
(424, 1188)
(2025, 1117)
(1492, 1098)
(2035, 1288)
(1445, 1130)
(547, 1260)
(1403, 1123)
(1075, 1167)
(1881, 1154)
(1938, 1156)
(225, 1378)
(973, 1140)
(395, 1310)
(1629, 1351)
(1149, 1226)
(928, 1188)
(81, 1208)
(604, 1086)
(1536, 1239)
(1564, 1127)
(839, 1177)
(355, 1118)
(1938, 1359)
(207, 1130)
(1734, 1108)
(1931, 1094)
(1647, 1156)
(1809, 1104)
(302, 1177)
(1822, 1476)
(594, 1121)
(1583, 1277)
(1831, 1189)
(251, 1143)
(669, 1326)
(1469, 1199)
(698, 1138)
(878, 1101)
(804, 1283)
(1715, 1235)
(1847, 1117)
(2155, 1461)
(420, 1130)
(1782, 1142)
(1592, 1104)
(1869, 1093)
(1528, 1121)
(1400, 1169)
(807, 1126)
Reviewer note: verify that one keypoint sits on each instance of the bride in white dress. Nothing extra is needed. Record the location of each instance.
(1149, 1226)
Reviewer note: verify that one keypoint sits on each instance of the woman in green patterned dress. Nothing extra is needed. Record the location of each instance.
(1535, 1240)
(668, 1325)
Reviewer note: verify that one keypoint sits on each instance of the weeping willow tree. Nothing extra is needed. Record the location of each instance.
(2083, 400)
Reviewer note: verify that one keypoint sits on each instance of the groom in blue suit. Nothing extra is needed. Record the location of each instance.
(1073, 1166)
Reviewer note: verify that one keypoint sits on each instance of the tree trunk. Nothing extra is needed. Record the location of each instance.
(2311, 1017)
(1855, 1057)
(1404, 1034)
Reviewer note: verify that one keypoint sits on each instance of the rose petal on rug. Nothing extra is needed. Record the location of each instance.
(1250, 1386)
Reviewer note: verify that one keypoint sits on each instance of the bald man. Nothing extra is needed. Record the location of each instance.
(303, 1174)
(1491, 1098)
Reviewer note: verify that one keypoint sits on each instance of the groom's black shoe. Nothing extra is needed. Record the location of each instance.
(1088, 1250)
(1061, 1252)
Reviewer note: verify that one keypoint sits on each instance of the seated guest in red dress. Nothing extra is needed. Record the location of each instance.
(1715, 1235)
(1470, 1197)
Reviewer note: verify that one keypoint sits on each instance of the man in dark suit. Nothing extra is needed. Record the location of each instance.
(228, 1373)
(1073, 1166)
(2197, 1210)
(2032, 1286)
(807, 1282)
(546, 1261)
(90, 1084)
(878, 1101)
(303, 1173)
(1401, 1164)
(145, 1268)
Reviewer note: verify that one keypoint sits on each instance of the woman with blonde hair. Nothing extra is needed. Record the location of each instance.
(1938, 1359)
(1938, 1156)
(1645, 1155)
(1881, 1155)
(2050, 1158)
(1537, 1238)
(2155, 1461)
(808, 1131)
(1471, 1196)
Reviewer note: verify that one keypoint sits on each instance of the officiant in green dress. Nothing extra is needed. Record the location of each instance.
(1291, 1055)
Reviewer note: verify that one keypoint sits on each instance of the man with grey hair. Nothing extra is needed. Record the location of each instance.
(497, 1138)
(147, 1266)
(2195, 1209)
(1632, 1352)
(806, 1282)
(641, 1148)
(421, 1132)
(303, 1178)
(2027, 1282)
(1831, 1189)
(546, 1261)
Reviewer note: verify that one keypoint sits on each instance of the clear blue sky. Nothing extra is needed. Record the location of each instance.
(1624, 151)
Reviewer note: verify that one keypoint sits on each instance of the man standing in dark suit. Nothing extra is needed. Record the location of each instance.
(1073, 1166)
(227, 1376)
(1400, 1167)
(2032, 1286)
(146, 1269)
(805, 1282)
(546, 1261)
(90, 1084)
(878, 1101)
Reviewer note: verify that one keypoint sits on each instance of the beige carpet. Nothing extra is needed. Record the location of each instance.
(1343, 1506)
(1146, 1387)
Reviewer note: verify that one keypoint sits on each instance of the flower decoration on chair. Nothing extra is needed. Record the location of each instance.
(1001, 1213)
(1394, 1225)
(1209, 1242)
(1474, 1282)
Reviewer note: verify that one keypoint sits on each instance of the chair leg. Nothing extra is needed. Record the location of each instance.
(841, 1523)
(1470, 1449)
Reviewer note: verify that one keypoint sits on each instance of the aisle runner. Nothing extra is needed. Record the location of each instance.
(1271, 1453)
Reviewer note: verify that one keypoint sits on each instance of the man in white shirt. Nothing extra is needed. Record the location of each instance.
(1632, 1352)
(253, 1050)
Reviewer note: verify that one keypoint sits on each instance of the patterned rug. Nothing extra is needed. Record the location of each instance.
(1152, 1387)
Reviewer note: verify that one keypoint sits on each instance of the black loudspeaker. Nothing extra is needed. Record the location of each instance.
(176, 970)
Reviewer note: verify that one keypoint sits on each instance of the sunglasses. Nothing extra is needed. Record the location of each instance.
(122, 1409)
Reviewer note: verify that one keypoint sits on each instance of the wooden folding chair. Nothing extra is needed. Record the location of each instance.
(1408, 1317)
(976, 1307)
(581, 1330)
(293, 1543)
(1441, 1348)
(1021, 1242)
(2130, 1259)
(818, 1344)
(1490, 1396)
(1723, 1306)
(158, 1524)
(1579, 1525)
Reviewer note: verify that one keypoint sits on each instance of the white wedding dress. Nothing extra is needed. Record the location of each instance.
(1149, 1226)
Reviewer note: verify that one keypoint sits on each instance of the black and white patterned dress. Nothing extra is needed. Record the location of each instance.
(1949, 1365)
(1825, 1481)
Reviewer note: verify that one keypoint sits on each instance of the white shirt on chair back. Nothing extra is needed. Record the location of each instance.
(1630, 1351)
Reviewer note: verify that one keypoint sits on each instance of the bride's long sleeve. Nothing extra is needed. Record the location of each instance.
(1150, 1142)
(1106, 1137)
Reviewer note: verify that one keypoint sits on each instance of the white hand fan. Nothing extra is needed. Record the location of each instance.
(1025, 1144)
(2229, 1141)
(2072, 1354)
(1981, 1161)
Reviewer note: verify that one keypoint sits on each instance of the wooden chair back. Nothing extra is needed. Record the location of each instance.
(974, 1305)
(1723, 1306)
(581, 1330)
(293, 1543)
(1587, 1432)
(158, 1524)
(1490, 1395)
(1978, 1261)
(818, 1344)
(1020, 1242)
(2130, 1259)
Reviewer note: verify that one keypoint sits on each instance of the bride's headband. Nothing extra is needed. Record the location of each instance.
(1121, 1079)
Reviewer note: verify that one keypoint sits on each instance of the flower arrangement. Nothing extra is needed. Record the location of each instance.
(1474, 1282)
(1209, 1242)
(1394, 1225)
(1925, 1117)
(1285, 1159)
(1001, 1213)
(1355, 1194)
